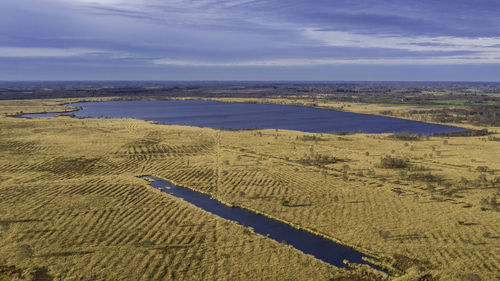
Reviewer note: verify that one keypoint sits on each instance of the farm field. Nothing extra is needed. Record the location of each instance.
(72, 205)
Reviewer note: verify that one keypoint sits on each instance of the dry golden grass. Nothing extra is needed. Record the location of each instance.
(16, 107)
(445, 227)
(72, 208)
(71, 203)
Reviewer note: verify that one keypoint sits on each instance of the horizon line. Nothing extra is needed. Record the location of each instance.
(250, 81)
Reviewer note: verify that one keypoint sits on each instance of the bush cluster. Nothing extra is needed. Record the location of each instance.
(389, 162)
(407, 136)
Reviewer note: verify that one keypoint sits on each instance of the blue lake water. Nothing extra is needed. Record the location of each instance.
(246, 116)
(321, 248)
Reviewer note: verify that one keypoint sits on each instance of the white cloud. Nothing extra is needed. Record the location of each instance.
(25, 52)
(445, 60)
(100, 2)
(417, 44)
(483, 50)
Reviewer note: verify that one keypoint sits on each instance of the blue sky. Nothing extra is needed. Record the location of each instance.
(250, 40)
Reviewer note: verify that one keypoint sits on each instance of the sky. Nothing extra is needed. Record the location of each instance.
(314, 40)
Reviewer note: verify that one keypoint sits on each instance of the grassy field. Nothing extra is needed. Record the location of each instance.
(72, 207)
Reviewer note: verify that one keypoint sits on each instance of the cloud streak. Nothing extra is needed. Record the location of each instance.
(241, 34)
(415, 44)
(28, 52)
(452, 60)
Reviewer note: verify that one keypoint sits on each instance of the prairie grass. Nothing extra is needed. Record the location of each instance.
(72, 205)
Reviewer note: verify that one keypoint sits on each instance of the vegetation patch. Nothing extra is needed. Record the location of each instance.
(10, 272)
(319, 160)
(310, 138)
(389, 162)
(425, 177)
(403, 263)
(65, 165)
(406, 136)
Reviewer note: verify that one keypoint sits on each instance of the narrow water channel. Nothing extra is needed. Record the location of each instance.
(319, 247)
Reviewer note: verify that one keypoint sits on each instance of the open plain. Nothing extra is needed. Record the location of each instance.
(72, 205)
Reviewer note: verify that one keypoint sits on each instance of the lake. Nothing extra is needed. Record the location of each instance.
(248, 116)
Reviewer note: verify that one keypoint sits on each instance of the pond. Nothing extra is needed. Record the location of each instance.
(319, 247)
(250, 116)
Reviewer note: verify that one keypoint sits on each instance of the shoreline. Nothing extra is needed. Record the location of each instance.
(459, 127)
